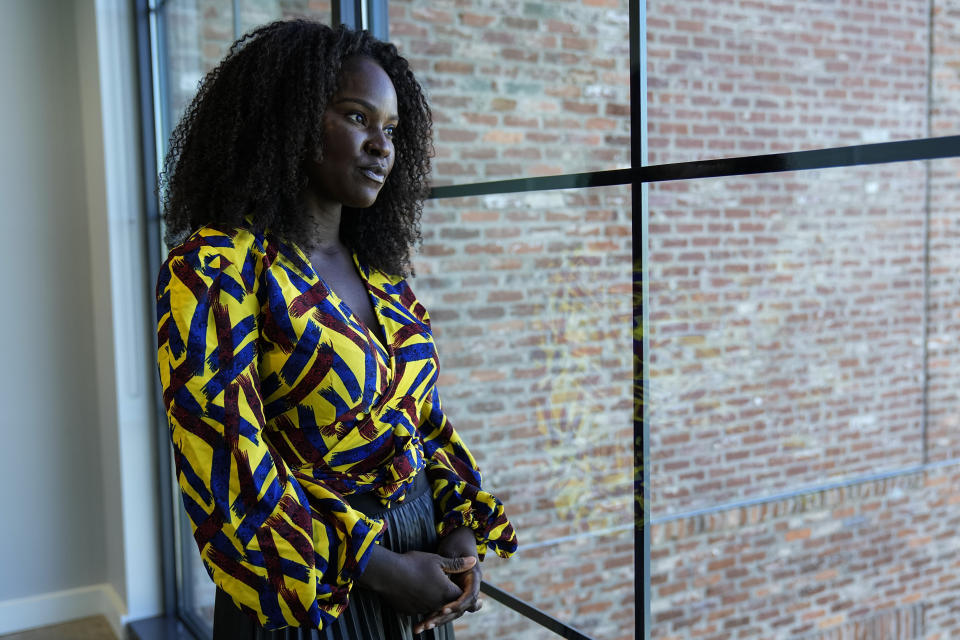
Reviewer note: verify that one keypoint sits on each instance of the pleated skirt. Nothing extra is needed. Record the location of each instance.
(410, 527)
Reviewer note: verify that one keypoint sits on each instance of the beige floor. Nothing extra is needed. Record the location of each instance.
(95, 628)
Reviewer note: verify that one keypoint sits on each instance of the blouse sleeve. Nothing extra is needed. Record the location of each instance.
(456, 483)
(283, 560)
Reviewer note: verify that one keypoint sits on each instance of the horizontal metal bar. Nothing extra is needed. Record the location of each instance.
(529, 611)
(863, 154)
(527, 546)
(542, 183)
(786, 495)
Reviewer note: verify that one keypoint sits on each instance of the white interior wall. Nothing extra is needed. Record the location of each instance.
(50, 462)
(78, 462)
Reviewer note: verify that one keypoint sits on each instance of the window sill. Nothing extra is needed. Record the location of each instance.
(159, 628)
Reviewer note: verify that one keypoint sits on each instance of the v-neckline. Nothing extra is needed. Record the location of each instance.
(375, 302)
(379, 341)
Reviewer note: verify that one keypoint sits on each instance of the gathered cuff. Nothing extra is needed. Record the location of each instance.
(354, 535)
(461, 504)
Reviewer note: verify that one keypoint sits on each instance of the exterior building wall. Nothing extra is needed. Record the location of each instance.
(873, 560)
(802, 325)
(529, 294)
(943, 382)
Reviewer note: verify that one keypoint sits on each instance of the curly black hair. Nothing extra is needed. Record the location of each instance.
(243, 145)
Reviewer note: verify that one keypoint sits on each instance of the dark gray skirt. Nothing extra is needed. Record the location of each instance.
(410, 527)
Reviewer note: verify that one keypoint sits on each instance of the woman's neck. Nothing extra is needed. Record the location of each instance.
(323, 226)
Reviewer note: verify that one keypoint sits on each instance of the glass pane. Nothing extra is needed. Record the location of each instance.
(802, 366)
(786, 331)
(587, 581)
(495, 621)
(943, 328)
(197, 591)
(742, 78)
(523, 89)
(195, 35)
(529, 296)
(198, 33)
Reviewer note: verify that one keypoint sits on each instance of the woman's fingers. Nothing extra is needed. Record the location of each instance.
(459, 564)
(438, 619)
(464, 573)
(460, 604)
(444, 616)
(468, 601)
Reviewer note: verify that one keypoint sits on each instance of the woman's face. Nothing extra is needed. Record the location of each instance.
(358, 128)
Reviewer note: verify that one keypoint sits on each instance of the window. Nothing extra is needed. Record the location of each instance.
(760, 181)
(528, 292)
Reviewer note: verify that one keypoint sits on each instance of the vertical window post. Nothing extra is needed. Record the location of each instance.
(371, 15)
(638, 158)
(348, 12)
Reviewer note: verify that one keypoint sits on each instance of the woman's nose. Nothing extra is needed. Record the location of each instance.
(378, 144)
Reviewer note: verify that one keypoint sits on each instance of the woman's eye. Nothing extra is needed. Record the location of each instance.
(357, 117)
(390, 130)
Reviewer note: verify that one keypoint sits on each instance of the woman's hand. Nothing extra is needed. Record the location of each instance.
(459, 543)
(415, 582)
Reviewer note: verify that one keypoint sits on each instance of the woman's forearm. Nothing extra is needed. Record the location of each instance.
(381, 568)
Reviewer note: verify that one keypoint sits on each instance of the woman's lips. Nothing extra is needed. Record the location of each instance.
(371, 174)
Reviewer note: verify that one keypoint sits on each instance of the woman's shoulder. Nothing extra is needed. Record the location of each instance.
(234, 243)
(214, 251)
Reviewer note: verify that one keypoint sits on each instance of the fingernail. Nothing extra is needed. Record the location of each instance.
(429, 626)
(446, 610)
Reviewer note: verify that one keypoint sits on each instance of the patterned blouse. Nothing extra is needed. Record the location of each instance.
(281, 402)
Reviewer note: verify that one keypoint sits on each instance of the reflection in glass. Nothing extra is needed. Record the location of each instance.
(196, 35)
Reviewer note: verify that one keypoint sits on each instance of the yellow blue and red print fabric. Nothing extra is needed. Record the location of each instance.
(281, 403)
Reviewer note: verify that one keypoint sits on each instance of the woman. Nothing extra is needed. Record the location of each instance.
(329, 495)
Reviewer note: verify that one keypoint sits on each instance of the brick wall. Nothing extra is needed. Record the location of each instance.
(786, 329)
(520, 89)
(529, 293)
(875, 560)
(729, 78)
(942, 323)
(533, 335)
(795, 337)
